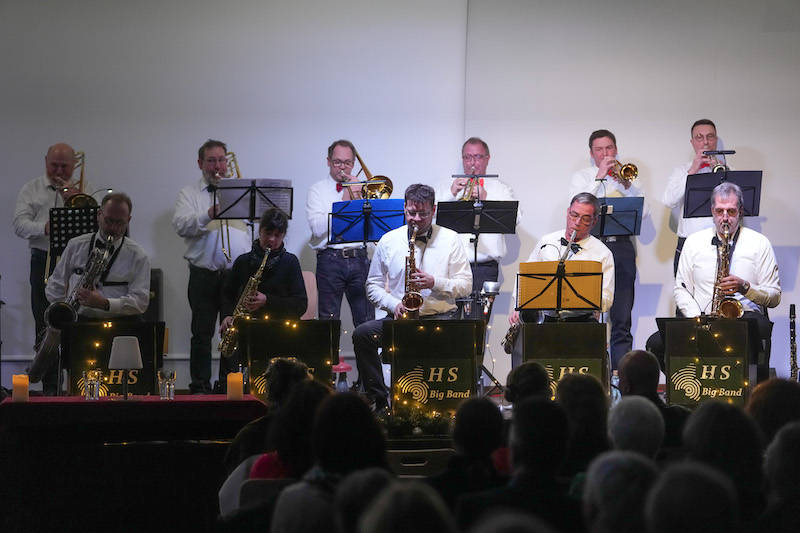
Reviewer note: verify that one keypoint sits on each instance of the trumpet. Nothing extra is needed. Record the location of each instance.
(625, 173)
(234, 172)
(381, 187)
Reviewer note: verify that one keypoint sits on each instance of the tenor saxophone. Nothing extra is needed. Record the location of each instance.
(724, 306)
(412, 300)
(227, 344)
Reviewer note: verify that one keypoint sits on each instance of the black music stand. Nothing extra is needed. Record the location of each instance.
(364, 220)
(478, 217)
(700, 186)
(619, 216)
(247, 199)
(314, 342)
(67, 223)
(87, 345)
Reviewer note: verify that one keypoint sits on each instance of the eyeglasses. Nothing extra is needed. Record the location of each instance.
(342, 163)
(215, 161)
(474, 157)
(585, 219)
(732, 212)
(422, 214)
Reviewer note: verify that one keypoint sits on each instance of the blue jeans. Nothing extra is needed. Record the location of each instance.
(343, 272)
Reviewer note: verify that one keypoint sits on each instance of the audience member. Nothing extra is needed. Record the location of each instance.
(782, 470)
(408, 506)
(281, 375)
(723, 436)
(355, 494)
(477, 432)
(511, 522)
(614, 494)
(346, 437)
(539, 434)
(639, 374)
(635, 424)
(773, 404)
(291, 434)
(586, 405)
(692, 498)
(528, 380)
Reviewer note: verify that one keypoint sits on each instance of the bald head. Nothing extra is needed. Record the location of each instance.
(638, 374)
(59, 163)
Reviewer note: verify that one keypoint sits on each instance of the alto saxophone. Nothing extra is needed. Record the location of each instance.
(227, 344)
(724, 306)
(412, 300)
(60, 314)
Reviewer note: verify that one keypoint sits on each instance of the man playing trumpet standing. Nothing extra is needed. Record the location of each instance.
(442, 274)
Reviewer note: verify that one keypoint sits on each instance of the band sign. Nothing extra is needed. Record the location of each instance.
(435, 385)
(693, 380)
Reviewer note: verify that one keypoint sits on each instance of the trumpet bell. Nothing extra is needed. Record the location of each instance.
(627, 172)
(377, 191)
(80, 200)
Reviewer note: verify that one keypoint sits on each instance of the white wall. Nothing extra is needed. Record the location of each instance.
(139, 86)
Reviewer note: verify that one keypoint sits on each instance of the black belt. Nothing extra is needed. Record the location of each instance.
(344, 252)
(615, 238)
(486, 263)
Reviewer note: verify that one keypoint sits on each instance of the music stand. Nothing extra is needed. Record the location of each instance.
(364, 220)
(619, 216)
(700, 186)
(69, 222)
(478, 217)
(247, 199)
(560, 286)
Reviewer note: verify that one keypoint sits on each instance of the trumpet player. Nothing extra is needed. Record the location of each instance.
(341, 268)
(32, 221)
(703, 137)
(195, 220)
(604, 179)
(442, 274)
(752, 279)
(491, 246)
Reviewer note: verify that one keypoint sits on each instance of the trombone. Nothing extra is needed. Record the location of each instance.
(231, 172)
(377, 187)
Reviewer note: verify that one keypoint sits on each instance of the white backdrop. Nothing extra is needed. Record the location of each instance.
(139, 86)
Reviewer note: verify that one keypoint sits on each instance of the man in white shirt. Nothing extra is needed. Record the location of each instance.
(582, 215)
(601, 180)
(753, 278)
(32, 222)
(341, 268)
(195, 220)
(442, 275)
(491, 246)
(703, 138)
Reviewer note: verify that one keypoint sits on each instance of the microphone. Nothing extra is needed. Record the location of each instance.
(719, 152)
(703, 310)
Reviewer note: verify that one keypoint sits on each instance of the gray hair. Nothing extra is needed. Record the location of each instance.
(587, 198)
(635, 424)
(725, 189)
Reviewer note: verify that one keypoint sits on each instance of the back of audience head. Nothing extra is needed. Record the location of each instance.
(690, 497)
(636, 424)
(478, 429)
(408, 506)
(585, 402)
(356, 493)
(782, 464)
(539, 433)
(346, 436)
(291, 431)
(639, 373)
(528, 380)
(774, 403)
(507, 521)
(281, 375)
(614, 494)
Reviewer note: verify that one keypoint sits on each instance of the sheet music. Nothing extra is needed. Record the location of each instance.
(233, 196)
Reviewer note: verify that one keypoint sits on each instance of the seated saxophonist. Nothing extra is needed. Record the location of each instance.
(440, 274)
(279, 291)
(709, 281)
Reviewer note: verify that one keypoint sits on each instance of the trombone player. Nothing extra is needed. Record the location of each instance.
(341, 268)
(606, 178)
(491, 246)
(32, 222)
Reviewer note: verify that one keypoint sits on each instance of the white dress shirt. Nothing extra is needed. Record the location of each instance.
(584, 181)
(131, 268)
(491, 246)
(202, 234)
(319, 202)
(673, 198)
(443, 256)
(753, 260)
(549, 248)
(33, 210)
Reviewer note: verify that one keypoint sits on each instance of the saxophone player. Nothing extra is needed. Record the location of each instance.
(442, 274)
(281, 292)
(752, 278)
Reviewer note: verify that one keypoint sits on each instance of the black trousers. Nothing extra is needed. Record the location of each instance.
(38, 305)
(486, 271)
(620, 313)
(205, 300)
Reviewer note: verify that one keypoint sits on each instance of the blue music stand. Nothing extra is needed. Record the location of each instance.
(364, 220)
(620, 216)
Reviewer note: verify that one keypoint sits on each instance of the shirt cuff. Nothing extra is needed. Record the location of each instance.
(114, 306)
(203, 220)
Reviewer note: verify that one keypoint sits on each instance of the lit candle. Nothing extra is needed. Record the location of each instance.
(19, 383)
(235, 386)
